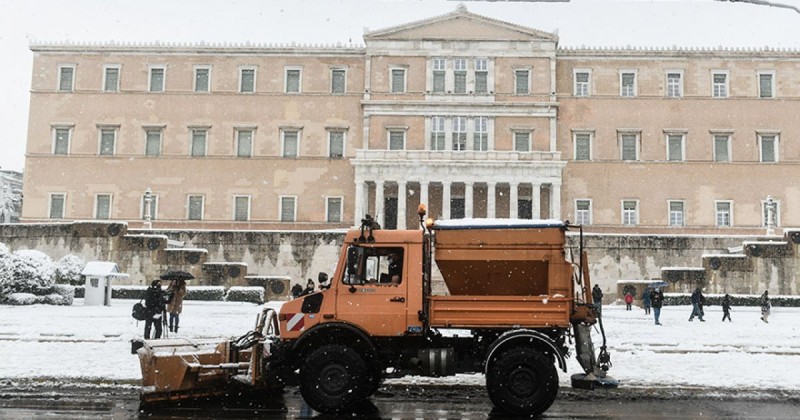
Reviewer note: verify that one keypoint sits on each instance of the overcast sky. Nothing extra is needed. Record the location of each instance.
(594, 23)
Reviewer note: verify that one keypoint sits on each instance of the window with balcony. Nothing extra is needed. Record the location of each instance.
(724, 213)
(111, 78)
(335, 144)
(102, 206)
(722, 147)
(583, 211)
(195, 207)
(57, 204)
(288, 208)
(247, 80)
(333, 209)
(630, 212)
(676, 213)
(241, 208)
(244, 142)
(437, 133)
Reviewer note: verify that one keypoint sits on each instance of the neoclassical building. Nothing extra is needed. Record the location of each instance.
(473, 116)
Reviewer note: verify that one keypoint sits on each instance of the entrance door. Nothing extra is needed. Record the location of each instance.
(390, 208)
(524, 209)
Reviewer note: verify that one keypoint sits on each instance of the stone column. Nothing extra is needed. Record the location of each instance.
(491, 206)
(379, 202)
(401, 205)
(468, 200)
(513, 205)
(360, 201)
(536, 197)
(555, 200)
(445, 200)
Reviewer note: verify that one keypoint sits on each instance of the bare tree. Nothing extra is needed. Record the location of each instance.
(766, 3)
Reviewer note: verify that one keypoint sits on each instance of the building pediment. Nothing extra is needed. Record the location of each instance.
(460, 25)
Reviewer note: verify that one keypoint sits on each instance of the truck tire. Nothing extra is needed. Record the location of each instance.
(522, 381)
(334, 378)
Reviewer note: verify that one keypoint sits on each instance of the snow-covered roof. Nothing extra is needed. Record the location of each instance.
(496, 224)
(103, 269)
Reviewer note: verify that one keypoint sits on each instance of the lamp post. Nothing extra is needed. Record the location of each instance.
(770, 213)
(148, 198)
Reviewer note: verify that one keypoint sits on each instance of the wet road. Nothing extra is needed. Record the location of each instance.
(89, 402)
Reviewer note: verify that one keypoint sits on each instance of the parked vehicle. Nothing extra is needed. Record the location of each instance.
(515, 302)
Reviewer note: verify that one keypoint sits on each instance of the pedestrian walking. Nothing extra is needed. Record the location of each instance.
(657, 300)
(726, 307)
(597, 297)
(628, 301)
(176, 292)
(646, 301)
(766, 306)
(697, 300)
(154, 301)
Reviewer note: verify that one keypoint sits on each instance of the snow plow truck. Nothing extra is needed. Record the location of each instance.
(516, 301)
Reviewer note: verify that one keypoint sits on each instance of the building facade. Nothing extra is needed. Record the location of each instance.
(472, 116)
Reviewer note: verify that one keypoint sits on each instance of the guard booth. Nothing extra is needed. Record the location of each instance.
(99, 276)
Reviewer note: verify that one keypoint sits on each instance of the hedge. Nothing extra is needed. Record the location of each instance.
(736, 300)
(254, 294)
(202, 293)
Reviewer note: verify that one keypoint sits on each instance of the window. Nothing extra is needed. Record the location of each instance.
(583, 212)
(583, 146)
(102, 206)
(338, 81)
(244, 143)
(157, 78)
(293, 80)
(66, 78)
(290, 143)
(674, 84)
(202, 79)
(398, 80)
(333, 209)
(241, 208)
(768, 147)
(724, 213)
(288, 209)
(627, 84)
(439, 75)
(199, 140)
(770, 211)
(481, 76)
(460, 76)
(153, 207)
(480, 137)
(57, 204)
(397, 139)
(111, 79)
(582, 87)
(630, 212)
(247, 80)
(152, 139)
(108, 138)
(676, 213)
(521, 82)
(437, 133)
(195, 207)
(675, 149)
(722, 148)
(719, 84)
(335, 143)
(460, 133)
(629, 146)
(766, 84)
(522, 141)
(61, 140)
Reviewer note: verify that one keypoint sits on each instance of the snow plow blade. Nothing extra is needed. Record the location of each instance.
(176, 369)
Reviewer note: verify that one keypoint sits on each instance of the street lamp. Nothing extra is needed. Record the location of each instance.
(148, 198)
(770, 213)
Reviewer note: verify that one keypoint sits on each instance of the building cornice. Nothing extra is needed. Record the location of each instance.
(676, 52)
(199, 48)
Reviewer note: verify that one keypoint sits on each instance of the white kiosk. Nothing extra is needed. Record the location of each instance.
(97, 290)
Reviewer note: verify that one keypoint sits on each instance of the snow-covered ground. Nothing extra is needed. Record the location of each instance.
(91, 344)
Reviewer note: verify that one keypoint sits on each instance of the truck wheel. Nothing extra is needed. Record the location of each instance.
(522, 381)
(334, 378)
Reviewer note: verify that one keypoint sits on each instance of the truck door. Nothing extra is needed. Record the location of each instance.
(374, 292)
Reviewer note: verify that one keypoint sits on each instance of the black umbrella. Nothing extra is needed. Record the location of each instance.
(176, 275)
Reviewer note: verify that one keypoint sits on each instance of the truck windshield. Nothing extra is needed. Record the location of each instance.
(377, 265)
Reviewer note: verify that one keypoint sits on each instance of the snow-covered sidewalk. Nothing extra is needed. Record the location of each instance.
(92, 344)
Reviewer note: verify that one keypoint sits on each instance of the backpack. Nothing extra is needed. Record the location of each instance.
(139, 312)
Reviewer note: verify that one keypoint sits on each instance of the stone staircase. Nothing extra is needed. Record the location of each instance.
(767, 263)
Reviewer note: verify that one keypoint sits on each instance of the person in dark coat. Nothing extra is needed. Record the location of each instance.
(726, 307)
(310, 286)
(766, 306)
(657, 300)
(697, 300)
(597, 297)
(297, 290)
(155, 301)
(646, 301)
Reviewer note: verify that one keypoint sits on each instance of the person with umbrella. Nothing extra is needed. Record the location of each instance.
(176, 292)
